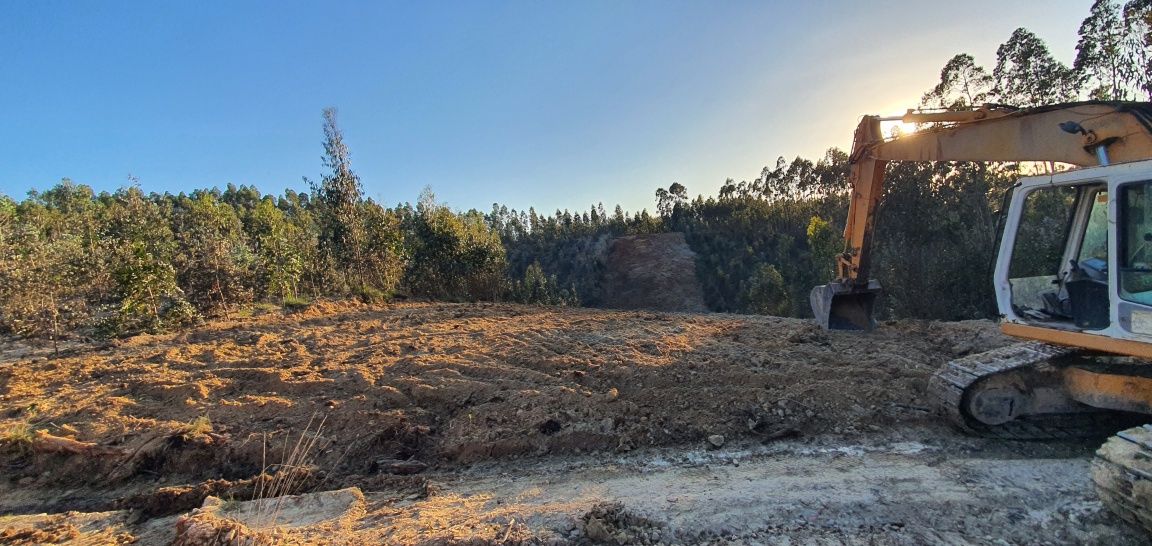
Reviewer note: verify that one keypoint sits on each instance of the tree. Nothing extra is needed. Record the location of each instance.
(767, 293)
(279, 260)
(668, 199)
(963, 84)
(1026, 74)
(40, 264)
(140, 245)
(1138, 43)
(1102, 62)
(385, 255)
(213, 262)
(7, 218)
(303, 234)
(831, 173)
(452, 256)
(825, 245)
(539, 288)
(338, 198)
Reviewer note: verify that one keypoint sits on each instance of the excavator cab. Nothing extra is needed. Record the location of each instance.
(1076, 255)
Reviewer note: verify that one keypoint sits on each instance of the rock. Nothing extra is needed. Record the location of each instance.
(401, 468)
(717, 440)
(549, 427)
(596, 530)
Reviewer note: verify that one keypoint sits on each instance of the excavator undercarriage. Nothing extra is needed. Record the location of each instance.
(1038, 391)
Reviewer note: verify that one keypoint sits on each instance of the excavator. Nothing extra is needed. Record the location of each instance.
(1072, 279)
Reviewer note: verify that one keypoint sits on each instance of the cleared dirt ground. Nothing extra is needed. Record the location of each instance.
(493, 423)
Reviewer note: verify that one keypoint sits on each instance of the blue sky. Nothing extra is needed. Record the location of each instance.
(551, 104)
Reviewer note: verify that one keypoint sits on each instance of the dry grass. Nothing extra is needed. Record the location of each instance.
(199, 426)
(288, 475)
(19, 436)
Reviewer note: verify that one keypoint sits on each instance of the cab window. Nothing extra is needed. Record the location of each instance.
(1135, 244)
(1094, 245)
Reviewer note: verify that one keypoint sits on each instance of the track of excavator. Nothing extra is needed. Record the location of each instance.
(1122, 471)
(1008, 378)
(959, 381)
(1022, 369)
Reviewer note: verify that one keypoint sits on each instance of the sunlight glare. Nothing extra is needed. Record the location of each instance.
(892, 129)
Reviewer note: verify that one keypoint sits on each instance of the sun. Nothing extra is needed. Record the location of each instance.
(897, 128)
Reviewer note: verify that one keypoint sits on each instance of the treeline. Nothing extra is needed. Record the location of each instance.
(118, 263)
(126, 262)
(113, 264)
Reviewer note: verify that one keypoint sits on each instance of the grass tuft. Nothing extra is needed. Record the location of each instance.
(296, 466)
(293, 303)
(197, 427)
(367, 294)
(18, 436)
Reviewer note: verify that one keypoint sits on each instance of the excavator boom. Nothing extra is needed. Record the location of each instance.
(1082, 134)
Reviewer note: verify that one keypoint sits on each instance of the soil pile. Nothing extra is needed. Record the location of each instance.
(439, 413)
(656, 272)
(395, 389)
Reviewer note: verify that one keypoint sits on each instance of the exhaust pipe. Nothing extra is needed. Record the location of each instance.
(840, 306)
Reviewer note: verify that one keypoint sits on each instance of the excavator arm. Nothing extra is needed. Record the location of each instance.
(1082, 134)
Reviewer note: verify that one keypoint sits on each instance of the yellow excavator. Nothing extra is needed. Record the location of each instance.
(1073, 279)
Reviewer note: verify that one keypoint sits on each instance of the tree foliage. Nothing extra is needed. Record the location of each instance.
(963, 84)
(1112, 53)
(338, 197)
(1027, 74)
(1137, 44)
(456, 257)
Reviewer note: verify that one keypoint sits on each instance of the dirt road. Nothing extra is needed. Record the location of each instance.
(507, 423)
(912, 486)
(879, 489)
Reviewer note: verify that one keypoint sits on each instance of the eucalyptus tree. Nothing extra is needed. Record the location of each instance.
(963, 84)
(337, 198)
(1103, 63)
(1027, 74)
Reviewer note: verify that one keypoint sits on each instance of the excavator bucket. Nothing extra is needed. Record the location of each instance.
(839, 306)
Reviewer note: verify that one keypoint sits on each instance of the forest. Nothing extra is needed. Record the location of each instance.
(75, 263)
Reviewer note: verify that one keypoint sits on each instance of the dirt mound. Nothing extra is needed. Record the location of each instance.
(656, 272)
(698, 429)
(396, 389)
